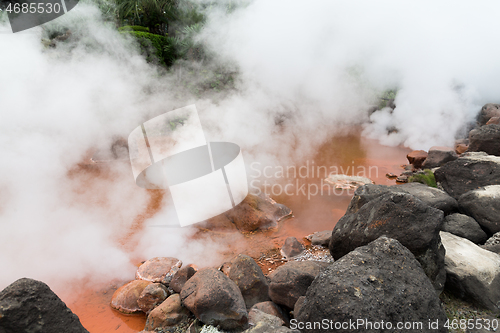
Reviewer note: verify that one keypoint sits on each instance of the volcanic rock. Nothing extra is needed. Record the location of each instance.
(472, 272)
(256, 316)
(263, 327)
(292, 248)
(271, 308)
(464, 226)
(151, 296)
(483, 205)
(249, 278)
(321, 238)
(215, 299)
(169, 313)
(253, 213)
(180, 277)
(487, 112)
(485, 138)
(416, 158)
(438, 156)
(432, 196)
(30, 306)
(469, 172)
(493, 243)
(378, 282)
(400, 216)
(125, 298)
(158, 270)
(290, 281)
(461, 148)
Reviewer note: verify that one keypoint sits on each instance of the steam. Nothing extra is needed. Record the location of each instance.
(304, 73)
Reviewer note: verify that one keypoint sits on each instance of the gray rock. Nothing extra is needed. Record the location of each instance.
(321, 238)
(272, 308)
(215, 299)
(249, 278)
(256, 316)
(485, 138)
(30, 306)
(292, 248)
(400, 216)
(469, 172)
(464, 226)
(438, 156)
(290, 281)
(483, 205)
(381, 281)
(266, 328)
(432, 196)
(472, 272)
(493, 243)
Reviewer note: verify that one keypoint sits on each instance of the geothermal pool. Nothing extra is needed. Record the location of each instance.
(313, 210)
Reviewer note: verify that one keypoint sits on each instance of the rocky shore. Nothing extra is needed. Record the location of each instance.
(399, 260)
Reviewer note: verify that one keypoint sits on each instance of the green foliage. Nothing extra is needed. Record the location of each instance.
(425, 177)
(387, 97)
(155, 47)
(133, 28)
(154, 14)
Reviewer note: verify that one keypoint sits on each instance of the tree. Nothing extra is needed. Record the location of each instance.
(154, 14)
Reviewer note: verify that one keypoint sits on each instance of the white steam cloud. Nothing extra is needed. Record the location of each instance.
(304, 72)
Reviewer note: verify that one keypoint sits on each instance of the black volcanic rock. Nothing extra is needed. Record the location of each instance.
(30, 306)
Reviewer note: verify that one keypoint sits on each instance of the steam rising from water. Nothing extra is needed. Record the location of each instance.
(304, 73)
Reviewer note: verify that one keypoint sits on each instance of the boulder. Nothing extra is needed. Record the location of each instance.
(125, 298)
(321, 238)
(256, 316)
(493, 243)
(483, 205)
(252, 214)
(400, 216)
(432, 196)
(292, 248)
(472, 272)
(151, 296)
(272, 308)
(169, 313)
(485, 138)
(258, 213)
(416, 158)
(469, 172)
(487, 112)
(158, 270)
(180, 277)
(291, 280)
(249, 278)
(438, 156)
(464, 226)
(214, 299)
(30, 306)
(377, 282)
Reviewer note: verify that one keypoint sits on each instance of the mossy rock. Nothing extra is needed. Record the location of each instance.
(425, 177)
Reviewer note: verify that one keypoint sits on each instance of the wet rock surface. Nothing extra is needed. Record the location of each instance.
(290, 281)
(30, 306)
(379, 281)
(125, 298)
(215, 299)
